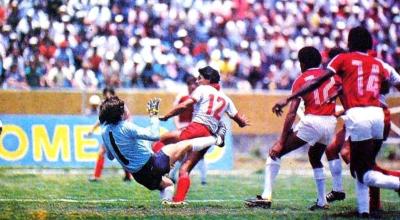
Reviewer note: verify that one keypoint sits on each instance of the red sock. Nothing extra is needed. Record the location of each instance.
(387, 172)
(182, 188)
(99, 166)
(157, 146)
(374, 199)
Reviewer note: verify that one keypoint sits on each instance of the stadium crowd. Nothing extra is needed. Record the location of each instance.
(88, 44)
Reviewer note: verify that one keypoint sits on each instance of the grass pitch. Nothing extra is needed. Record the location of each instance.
(66, 196)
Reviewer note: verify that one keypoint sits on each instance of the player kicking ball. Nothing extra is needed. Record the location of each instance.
(125, 142)
(316, 129)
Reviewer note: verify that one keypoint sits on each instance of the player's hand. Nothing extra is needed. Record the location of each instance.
(246, 121)
(153, 106)
(89, 134)
(278, 107)
(276, 150)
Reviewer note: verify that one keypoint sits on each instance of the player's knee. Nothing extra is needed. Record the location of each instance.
(332, 153)
(345, 154)
(183, 172)
(315, 159)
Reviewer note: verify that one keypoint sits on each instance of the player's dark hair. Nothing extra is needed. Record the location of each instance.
(190, 80)
(335, 51)
(210, 73)
(111, 110)
(310, 57)
(359, 39)
(108, 89)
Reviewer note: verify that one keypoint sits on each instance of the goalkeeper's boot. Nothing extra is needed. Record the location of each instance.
(258, 202)
(221, 132)
(335, 196)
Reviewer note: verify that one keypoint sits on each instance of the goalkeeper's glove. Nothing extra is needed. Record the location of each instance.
(153, 106)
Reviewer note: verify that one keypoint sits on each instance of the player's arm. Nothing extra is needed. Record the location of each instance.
(234, 114)
(287, 127)
(151, 133)
(240, 120)
(95, 126)
(277, 109)
(178, 109)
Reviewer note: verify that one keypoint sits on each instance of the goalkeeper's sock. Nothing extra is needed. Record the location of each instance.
(182, 188)
(99, 166)
(157, 146)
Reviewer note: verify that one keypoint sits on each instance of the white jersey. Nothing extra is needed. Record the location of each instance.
(210, 106)
(394, 80)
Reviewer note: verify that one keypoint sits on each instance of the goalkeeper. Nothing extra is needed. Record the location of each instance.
(125, 142)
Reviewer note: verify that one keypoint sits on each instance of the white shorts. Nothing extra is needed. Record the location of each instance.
(364, 123)
(316, 129)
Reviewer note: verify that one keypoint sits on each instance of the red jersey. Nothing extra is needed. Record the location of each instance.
(185, 116)
(316, 102)
(362, 76)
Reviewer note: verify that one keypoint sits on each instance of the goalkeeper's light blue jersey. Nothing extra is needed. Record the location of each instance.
(129, 143)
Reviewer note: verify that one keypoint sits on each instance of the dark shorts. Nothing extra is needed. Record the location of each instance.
(151, 173)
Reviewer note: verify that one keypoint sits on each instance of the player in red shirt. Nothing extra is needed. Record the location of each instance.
(209, 105)
(341, 145)
(316, 129)
(362, 76)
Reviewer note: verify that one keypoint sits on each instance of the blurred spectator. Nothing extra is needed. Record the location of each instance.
(14, 78)
(85, 78)
(35, 73)
(156, 44)
(60, 75)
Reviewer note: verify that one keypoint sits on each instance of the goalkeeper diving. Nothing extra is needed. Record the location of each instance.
(126, 142)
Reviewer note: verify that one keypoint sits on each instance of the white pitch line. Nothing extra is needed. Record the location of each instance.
(150, 200)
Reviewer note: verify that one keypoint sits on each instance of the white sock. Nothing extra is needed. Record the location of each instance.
(319, 178)
(271, 171)
(167, 193)
(335, 167)
(203, 170)
(362, 197)
(199, 144)
(173, 173)
(380, 180)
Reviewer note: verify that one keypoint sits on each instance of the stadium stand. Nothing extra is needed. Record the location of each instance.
(156, 44)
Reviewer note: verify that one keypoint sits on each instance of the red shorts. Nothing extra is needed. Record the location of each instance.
(386, 121)
(194, 130)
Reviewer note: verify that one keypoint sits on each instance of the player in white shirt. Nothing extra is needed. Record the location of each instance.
(209, 104)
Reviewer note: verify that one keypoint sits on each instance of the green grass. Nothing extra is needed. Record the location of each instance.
(73, 197)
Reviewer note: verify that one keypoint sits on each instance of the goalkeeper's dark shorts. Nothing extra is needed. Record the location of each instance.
(151, 173)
